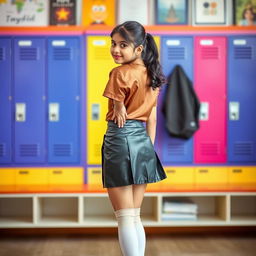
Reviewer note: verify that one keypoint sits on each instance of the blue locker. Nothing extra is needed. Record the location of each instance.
(5, 100)
(174, 51)
(29, 99)
(64, 99)
(241, 99)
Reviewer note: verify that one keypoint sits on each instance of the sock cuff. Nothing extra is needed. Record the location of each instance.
(125, 212)
(137, 211)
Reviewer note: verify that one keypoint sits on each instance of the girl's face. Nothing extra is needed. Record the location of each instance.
(122, 51)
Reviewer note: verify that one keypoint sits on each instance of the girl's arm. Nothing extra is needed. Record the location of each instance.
(119, 115)
(151, 125)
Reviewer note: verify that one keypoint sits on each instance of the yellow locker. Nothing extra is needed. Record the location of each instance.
(66, 176)
(211, 175)
(94, 176)
(157, 40)
(7, 176)
(99, 64)
(179, 175)
(31, 176)
(242, 174)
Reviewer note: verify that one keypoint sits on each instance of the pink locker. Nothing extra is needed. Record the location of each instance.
(210, 85)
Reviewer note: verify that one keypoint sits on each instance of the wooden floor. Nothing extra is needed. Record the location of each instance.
(107, 245)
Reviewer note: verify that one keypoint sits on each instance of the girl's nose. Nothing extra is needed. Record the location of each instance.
(116, 49)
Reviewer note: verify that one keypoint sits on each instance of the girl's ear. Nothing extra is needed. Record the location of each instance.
(139, 49)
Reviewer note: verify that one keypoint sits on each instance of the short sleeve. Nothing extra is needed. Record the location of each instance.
(116, 87)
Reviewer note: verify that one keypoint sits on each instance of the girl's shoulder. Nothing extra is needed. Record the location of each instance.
(122, 71)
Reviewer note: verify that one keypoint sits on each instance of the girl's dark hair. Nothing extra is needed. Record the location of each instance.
(133, 32)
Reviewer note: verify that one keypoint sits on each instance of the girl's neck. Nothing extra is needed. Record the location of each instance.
(138, 61)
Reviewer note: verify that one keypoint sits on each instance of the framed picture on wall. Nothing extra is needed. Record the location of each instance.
(245, 12)
(209, 12)
(171, 12)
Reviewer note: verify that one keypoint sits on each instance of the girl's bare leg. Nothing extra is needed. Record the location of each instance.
(126, 201)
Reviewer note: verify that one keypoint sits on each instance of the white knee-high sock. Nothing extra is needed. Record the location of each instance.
(127, 234)
(140, 232)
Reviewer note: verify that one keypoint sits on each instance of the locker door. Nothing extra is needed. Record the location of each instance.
(99, 64)
(29, 97)
(174, 51)
(64, 99)
(210, 85)
(5, 100)
(241, 98)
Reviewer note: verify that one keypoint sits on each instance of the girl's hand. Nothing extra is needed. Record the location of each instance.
(120, 114)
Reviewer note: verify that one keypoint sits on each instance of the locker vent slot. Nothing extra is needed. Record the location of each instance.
(28, 150)
(62, 53)
(243, 52)
(2, 57)
(175, 149)
(101, 53)
(177, 53)
(243, 148)
(209, 53)
(62, 150)
(210, 149)
(2, 150)
(28, 53)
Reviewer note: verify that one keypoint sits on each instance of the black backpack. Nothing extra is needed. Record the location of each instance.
(181, 105)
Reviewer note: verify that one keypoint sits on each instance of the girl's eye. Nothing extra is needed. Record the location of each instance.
(113, 44)
(123, 45)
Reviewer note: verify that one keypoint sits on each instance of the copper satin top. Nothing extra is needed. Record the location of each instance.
(129, 83)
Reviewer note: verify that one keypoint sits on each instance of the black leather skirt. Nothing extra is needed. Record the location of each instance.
(128, 156)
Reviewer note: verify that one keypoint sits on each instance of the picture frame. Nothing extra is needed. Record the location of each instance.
(245, 12)
(211, 12)
(171, 12)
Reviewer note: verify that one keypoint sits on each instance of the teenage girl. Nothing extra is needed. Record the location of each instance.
(129, 161)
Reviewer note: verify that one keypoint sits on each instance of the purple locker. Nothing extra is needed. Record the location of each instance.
(174, 51)
(29, 100)
(5, 100)
(64, 80)
(241, 98)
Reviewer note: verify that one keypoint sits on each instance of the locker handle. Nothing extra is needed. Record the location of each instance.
(96, 172)
(57, 172)
(237, 171)
(204, 111)
(170, 171)
(23, 172)
(203, 171)
(95, 111)
(54, 112)
(234, 110)
(20, 112)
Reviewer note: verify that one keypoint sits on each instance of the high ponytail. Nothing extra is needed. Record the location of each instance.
(133, 32)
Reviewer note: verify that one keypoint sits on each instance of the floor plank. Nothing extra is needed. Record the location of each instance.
(107, 245)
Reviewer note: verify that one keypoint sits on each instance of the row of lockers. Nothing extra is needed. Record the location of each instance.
(40, 100)
(41, 111)
(92, 176)
(223, 71)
